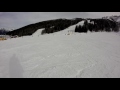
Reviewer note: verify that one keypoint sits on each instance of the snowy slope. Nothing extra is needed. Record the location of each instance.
(70, 30)
(61, 56)
(81, 23)
(66, 31)
(38, 32)
(115, 18)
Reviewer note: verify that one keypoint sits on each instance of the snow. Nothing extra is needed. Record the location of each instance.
(92, 22)
(88, 21)
(69, 30)
(5, 36)
(91, 55)
(115, 18)
(81, 23)
(38, 32)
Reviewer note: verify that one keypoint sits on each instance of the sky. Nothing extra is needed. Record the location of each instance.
(15, 20)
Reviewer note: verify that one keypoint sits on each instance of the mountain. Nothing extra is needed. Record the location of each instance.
(50, 26)
(104, 24)
(114, 18)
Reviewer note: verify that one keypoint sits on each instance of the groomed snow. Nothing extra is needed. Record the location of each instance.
(91, 55)
(81, 23)
(38, 32)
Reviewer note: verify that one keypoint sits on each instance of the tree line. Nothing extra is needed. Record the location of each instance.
(97, 25)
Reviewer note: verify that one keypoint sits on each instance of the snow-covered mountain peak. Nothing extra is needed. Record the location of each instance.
(114, 18)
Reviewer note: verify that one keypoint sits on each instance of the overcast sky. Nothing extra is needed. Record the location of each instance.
(14, 20)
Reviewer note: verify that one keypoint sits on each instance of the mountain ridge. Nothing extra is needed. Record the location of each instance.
(56, 25)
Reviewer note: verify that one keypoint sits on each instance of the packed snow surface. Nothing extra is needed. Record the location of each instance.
(81, 23)
(58, 55)
(38, 32)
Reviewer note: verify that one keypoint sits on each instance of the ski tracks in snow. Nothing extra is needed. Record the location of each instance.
(79, 55)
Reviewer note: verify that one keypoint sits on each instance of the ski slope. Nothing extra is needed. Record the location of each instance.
(38, 32)
(58, 55)
(69, 30)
